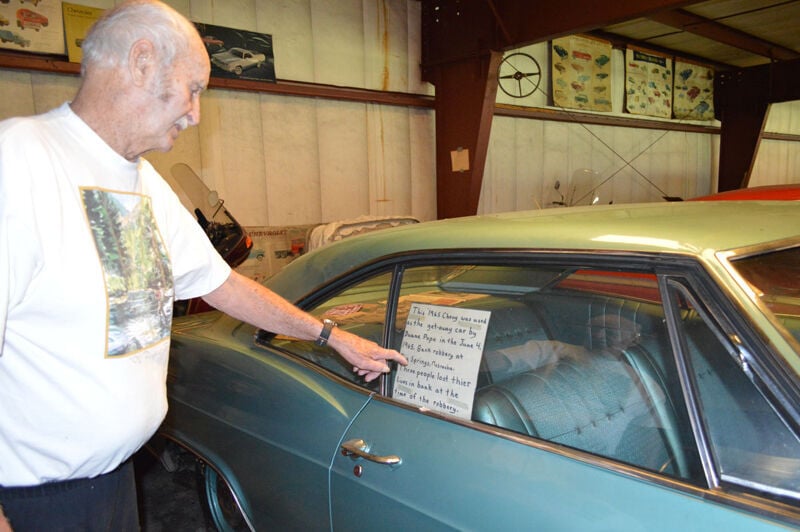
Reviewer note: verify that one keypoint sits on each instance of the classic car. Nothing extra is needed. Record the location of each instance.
(613, 367)
(3, 21)
(212, 42)
(8, 36)
(31, 19)
(237, 60)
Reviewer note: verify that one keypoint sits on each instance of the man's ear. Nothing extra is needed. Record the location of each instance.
(142, 62)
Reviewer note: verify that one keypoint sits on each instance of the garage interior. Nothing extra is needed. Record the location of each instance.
(374, 100)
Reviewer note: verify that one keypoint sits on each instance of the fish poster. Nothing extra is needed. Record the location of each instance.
(648, 83)
(693, 92)
(581, 73)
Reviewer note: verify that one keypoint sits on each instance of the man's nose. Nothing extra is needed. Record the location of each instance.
(194, 112)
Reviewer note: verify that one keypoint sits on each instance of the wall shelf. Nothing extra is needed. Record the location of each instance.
(58, 65)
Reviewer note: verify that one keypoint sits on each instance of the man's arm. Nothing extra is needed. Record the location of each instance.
(255, 304)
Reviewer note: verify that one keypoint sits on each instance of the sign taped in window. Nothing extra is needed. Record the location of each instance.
(443, 346)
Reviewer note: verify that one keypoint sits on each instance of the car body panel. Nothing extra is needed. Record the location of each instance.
(762, 193)
(539, 487)
(246, 402)
(273, 423)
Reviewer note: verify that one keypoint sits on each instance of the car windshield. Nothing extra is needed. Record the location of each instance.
(775, 278)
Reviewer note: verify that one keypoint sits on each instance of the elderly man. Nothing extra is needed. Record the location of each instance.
(85, 224)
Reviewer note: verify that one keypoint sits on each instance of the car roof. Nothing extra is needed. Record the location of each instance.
(694, 228)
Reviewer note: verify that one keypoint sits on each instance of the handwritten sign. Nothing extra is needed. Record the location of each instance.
(443, 346)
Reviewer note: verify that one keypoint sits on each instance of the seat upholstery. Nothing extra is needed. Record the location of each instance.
(600, 404)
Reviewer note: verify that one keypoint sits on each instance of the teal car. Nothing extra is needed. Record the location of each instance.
(627, 367)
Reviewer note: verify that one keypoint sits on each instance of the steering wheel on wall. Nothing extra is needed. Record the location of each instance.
(519, 75)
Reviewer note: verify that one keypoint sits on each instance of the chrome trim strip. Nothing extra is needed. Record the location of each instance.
(769, 509)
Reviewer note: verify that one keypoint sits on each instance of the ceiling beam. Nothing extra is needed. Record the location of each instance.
(462, 46)
(710, 29)
(456, 30)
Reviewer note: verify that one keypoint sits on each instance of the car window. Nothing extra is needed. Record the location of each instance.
(750, 445)
(576, 357)
(359, 309)
(775, 279)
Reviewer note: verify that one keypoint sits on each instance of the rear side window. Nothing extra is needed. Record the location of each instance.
(576, 357)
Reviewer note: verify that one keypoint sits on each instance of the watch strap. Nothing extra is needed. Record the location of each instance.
(327, 327)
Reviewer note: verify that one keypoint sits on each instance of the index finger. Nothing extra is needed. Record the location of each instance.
(396, 356)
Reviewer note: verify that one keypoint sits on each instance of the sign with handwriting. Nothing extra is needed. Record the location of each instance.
(443, 346)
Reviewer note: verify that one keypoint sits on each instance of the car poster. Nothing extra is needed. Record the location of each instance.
(32, 26)
(693, 91)
(273, 248)
(648, 83)
(444, 346)
(238, 54)
(77, 21)
(581, 73)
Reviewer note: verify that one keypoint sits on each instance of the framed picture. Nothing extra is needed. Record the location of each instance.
(693, 93)
(581, 73)
(32, 26)
(238, 54)
(648, 83)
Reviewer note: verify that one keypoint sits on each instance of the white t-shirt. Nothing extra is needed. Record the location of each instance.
(93, 250)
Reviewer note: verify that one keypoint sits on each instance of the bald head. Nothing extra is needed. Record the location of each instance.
(144, 67)
(109, 41)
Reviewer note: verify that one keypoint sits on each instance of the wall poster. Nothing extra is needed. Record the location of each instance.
(581, 73)
(238, 54)
(443, 346)
(77, 21)
(32, 26)
(648, 83)
(693, 91)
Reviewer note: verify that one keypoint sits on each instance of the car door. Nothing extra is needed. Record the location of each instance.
(604, 443)
(460, 477)
(266, 424)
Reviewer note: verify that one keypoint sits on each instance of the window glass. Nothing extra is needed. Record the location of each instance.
(775, 278)
(750, 444)
(576, 357)
(359, 309)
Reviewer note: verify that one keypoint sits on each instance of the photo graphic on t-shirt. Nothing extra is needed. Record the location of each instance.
(137, 271)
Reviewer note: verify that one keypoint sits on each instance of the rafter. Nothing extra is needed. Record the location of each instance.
(710, 29)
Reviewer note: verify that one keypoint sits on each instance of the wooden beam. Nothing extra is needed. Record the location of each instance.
(456, 30)
(463, 125)
(710, 29)
(741, 101)
(59, 65)
(739, 140)
(531, 22)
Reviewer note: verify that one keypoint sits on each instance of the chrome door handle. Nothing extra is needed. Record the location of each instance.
(358, 448)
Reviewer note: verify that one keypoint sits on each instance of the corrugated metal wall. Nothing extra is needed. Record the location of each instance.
(282, 160)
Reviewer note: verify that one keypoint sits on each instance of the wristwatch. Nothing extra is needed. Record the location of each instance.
(327, 327)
